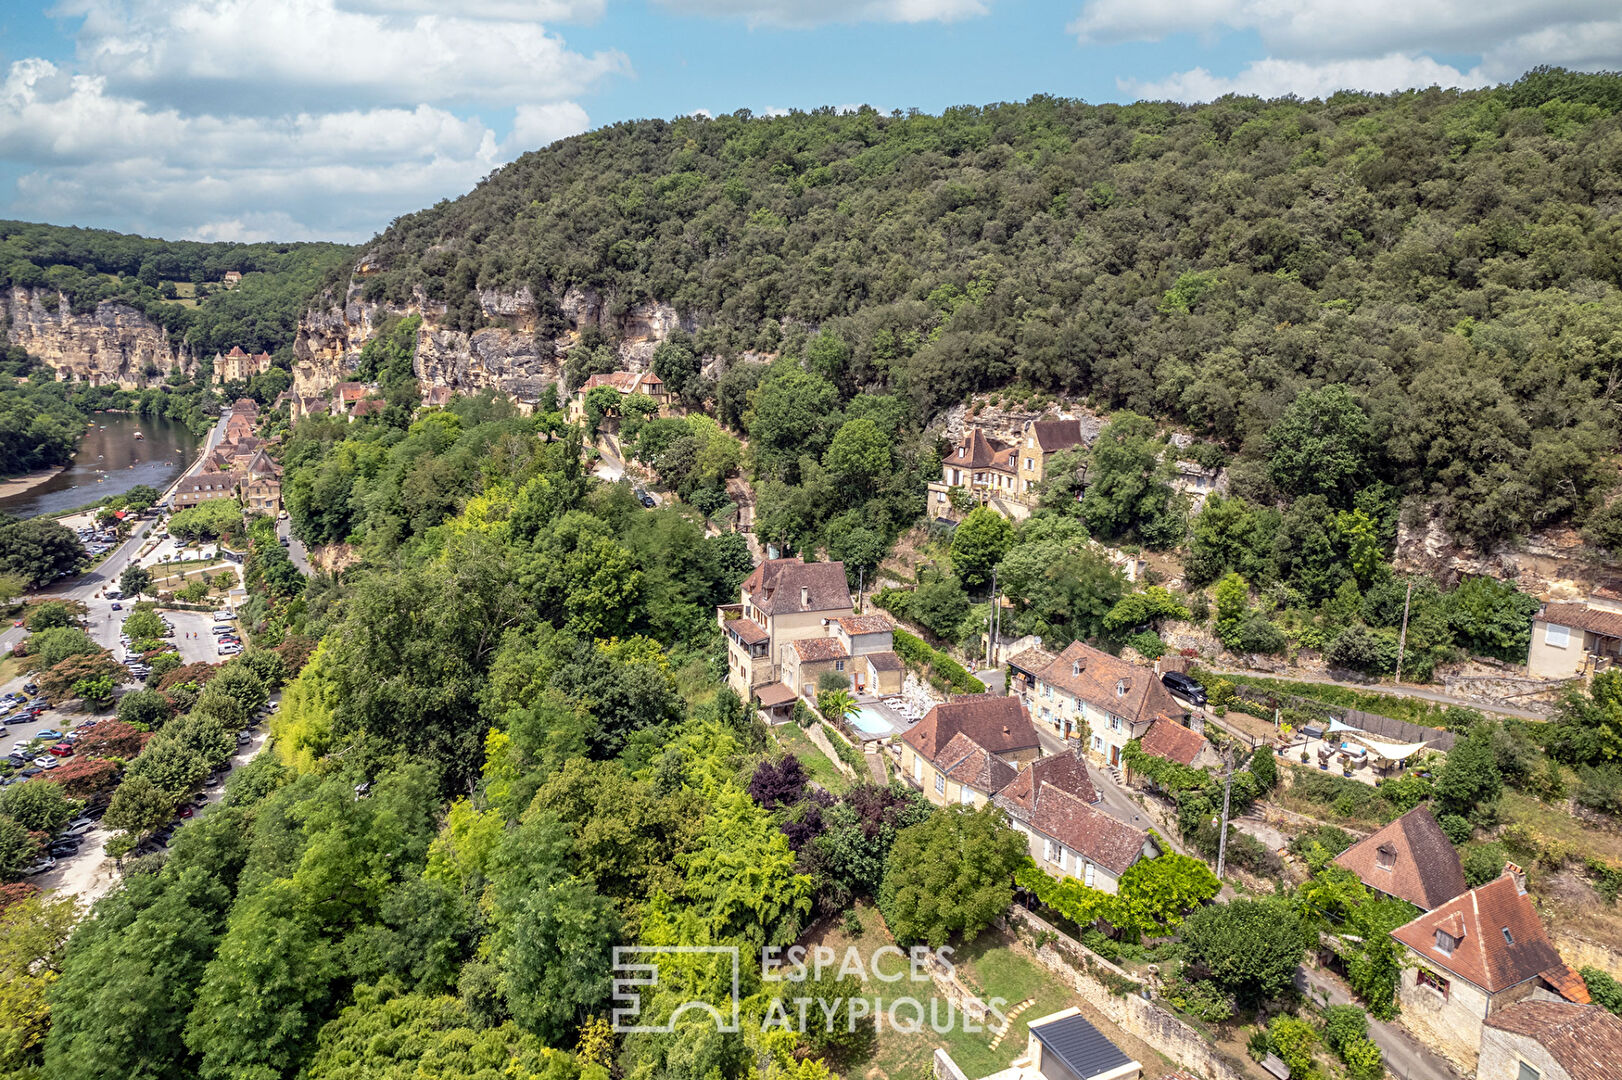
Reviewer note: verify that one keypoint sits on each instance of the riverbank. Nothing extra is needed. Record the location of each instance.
(22, 485)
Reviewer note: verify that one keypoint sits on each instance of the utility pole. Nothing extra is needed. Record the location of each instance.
(1402, 639)
(861, 581)
(991, 621)
(1222, 839)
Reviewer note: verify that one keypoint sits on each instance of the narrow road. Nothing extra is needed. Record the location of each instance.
(295, 547)
(1405, 690)
(1405, 1057)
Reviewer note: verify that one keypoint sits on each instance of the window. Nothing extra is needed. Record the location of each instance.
(839, 665)
(940, 784)
(1557, 636)
(1385, 857)
(1030, 441)
(1509, 939)
(1090, 873)
(1446, 943)
(1426, 977)
(1115, 723)
(1050, 851)
(940, 496)
(961, 451)
(918, 769)
(1030, 464)
(1120, 687)
(1528, 1073)
(1098, 742)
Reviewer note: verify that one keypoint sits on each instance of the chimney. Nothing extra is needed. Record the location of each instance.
(805, 597)
(1519, 875)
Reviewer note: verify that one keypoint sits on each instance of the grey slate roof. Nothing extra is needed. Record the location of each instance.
(1083, 1048)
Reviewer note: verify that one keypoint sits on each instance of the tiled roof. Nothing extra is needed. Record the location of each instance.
(626, 382)
(1031, 660)
(999, 724)
(967, 762)
(977, 451)
(1065, 772)
(775, 586)
(748, 630)
(236, 350)
(822, 648)
(1585, 1039)
(1583, 617)
(1057, 434)
(1111, 844)
(1425, 868)
(1171, 740)
(884, 661)
(866, 624)
(1142, 697)
(370, 407)
(1486, 955)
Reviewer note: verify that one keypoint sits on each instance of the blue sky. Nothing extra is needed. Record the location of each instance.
(304, 119)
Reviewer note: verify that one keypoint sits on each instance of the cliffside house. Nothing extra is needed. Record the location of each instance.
(368, 407)
(1166, 738)
(988, 469)
(967, 749)
(858, 647)
(626, 382)
(437, 397)
(238, 366)
(1086, 693)
(1473, 957)
(346, 395)
(1410, 859)
(1571, 639)
(1551, 1040)
(1023, 667)
(303, 405)
(781, 602)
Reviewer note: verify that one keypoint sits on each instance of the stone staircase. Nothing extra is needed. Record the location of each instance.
(1008, 1021)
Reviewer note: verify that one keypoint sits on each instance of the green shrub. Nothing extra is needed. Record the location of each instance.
(1148, 644)
(1482, 863)
(1344, 1024)
(1604, 989)
(1599, 787)
(1458, 829)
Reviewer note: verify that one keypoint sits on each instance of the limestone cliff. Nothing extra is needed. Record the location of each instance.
(113, 344)
(511, 353)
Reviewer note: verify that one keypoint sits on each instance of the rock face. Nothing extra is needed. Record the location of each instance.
(512, 353)
(115, 344)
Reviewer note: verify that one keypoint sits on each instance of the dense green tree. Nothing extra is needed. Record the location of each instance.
(135, 580)
(39, 550)
(1128, 490)
(979, 543)
(1319, 446)
(38, 805)
(1469, 778)
(950, 875)
(1248, 947)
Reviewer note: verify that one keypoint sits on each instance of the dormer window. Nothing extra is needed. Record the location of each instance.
(1075, 667)
(1120, 688)
(1385, 857)
(1446, 943)
(962, 451)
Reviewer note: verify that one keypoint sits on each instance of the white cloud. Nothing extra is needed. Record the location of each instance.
(94, 156)
(799, 13)
(1276, 78)
(551, 11)
(222, 55)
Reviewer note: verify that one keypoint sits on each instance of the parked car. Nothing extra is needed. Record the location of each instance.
(17, 760)
(78, 827)
(61, 749)
(39, 866)
(30, 688)
(48, 733)
(59, 848)
(1184, 687)
(30, 772)
(229, 650)
(223, 628)
(117, 606)
(46, 761)
(243, 738)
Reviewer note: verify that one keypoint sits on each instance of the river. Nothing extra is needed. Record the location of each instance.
(110, 461)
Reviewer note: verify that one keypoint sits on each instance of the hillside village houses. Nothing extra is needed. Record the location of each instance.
(1410, 859)
(1474, 957)
(239, 466)
(1007, 475)
(1087, 694)
(1551, 1040)
(627, 383)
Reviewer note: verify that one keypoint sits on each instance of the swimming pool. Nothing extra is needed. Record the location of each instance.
(869, 721)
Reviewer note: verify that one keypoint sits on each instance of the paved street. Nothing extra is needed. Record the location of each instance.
(1405, 690)
(1405, 1057)
(295, 547)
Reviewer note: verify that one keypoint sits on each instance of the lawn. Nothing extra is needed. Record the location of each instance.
(817, 765)
(993, 967)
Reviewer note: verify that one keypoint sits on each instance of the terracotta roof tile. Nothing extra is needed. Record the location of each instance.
(884, 661)
(1501, 942)
(1111, 844)
(748, 630)
(999, 724)
(775, 586)
(1066, 772)
(1112, 684)
(1054, 435)
(977, 451)
(866, 624)
(773, 694)
(1424, 865)
(1171, 740)
(1583, 617)
(812, 649)
(1585, 1039)
(967, 762)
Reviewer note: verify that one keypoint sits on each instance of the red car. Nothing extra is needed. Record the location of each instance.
(19, 622)
(61, 749)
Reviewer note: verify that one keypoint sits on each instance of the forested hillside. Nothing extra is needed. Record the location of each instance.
(160, 277)
(1452, 257)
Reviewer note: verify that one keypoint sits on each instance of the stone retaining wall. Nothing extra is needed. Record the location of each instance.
(819, 739)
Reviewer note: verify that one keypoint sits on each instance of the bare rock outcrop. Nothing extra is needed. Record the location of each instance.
(113, 345)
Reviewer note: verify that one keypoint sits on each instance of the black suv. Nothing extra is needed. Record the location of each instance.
(1184, 687)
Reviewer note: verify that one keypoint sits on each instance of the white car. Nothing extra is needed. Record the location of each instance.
(229, 650)
(39, 867)
(225, 613)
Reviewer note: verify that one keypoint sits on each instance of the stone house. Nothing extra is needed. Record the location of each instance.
(1168, 739)
(781, 601)
(238, 366)
(1052, 801)
(967, 749)
(1551, 1040)
(988, 469)
(202, 487)
(1473, 957)
(1410, 859)
(1088, 694)
(627, 383)
(861, 648)
(1574, 639)
(262, 491)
